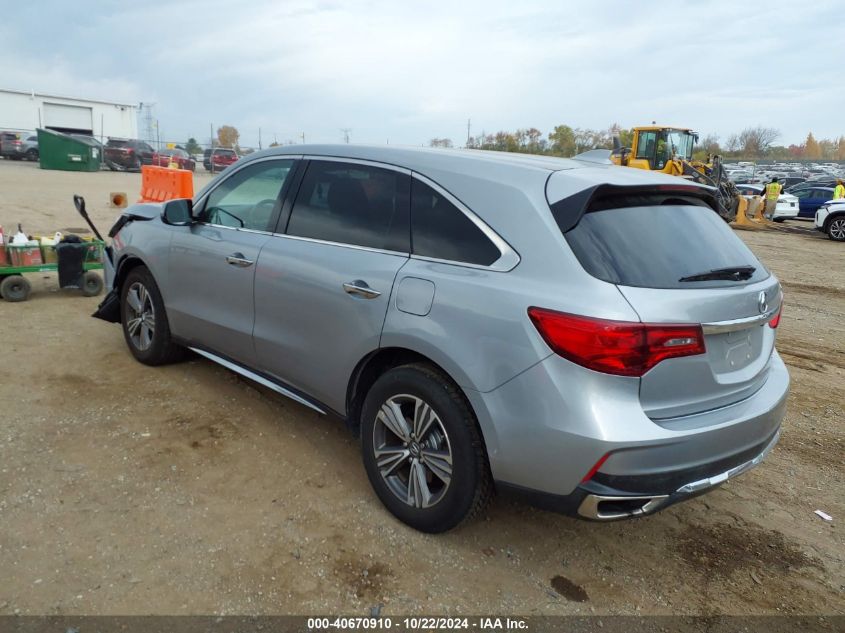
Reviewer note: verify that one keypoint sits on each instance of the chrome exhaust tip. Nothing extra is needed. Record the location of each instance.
(605, 508)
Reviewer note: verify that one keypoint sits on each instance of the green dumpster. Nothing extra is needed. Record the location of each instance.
(68, 153)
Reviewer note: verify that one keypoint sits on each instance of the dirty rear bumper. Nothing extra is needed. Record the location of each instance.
(611, 498)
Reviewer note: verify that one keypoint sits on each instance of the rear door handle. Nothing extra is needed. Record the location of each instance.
(361, 289)
(238, 259)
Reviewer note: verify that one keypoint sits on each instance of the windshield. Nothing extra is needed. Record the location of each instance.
(679, 143)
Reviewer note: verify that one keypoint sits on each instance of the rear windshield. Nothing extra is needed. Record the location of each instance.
(656, 246)
(224, 152)
(114, 143)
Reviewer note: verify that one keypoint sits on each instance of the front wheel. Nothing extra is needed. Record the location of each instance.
(423, 450)
(15, 288)
(144, 320)
(836, 229)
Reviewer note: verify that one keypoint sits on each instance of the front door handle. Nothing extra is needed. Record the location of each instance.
(361, 289)
(238, 259)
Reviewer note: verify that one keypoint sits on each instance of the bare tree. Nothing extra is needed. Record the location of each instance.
(754, 141)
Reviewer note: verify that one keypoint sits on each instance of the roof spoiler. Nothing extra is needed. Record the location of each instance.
(600, 156)
(569, 211)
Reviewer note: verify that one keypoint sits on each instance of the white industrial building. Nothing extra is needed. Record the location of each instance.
(26, 111)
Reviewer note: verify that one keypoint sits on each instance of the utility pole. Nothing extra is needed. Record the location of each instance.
(468, 131)
(346, 131)
(210, 136)
(259, 138)
(303, 138)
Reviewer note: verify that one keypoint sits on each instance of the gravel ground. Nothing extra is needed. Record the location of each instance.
(186, 489)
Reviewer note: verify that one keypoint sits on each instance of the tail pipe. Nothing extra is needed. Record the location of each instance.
(607, 508)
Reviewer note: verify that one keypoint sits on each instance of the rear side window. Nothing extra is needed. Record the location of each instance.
(657, 246)
(353, 204)
(442, 231)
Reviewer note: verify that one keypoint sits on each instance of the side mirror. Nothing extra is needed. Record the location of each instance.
(178, 212)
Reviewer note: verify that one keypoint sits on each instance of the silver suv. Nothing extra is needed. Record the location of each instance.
(592, 337)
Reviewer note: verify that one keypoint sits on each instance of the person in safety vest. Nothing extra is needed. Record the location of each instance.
(771, 193)
(839, 190)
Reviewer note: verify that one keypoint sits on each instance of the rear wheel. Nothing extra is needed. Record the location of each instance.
(92, 284)
(836, 229)
(32, 154)
(144, 320)
(15, 288)
(422, 449)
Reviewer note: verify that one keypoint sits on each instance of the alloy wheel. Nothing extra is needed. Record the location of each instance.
(412, 451)
(837, 229)
(140, 322)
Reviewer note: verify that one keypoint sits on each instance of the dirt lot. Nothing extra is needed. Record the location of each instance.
(185, 489)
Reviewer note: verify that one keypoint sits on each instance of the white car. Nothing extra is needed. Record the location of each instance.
(786, 208)
(830, 219)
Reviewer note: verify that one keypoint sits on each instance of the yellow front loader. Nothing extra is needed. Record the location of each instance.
(669, 150)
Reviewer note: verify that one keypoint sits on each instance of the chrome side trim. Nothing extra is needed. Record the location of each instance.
(314, 240)
(739, 324)
(256, 378)
(508, 259)
(715, 480)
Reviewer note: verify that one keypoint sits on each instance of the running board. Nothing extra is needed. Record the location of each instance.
(261, 380)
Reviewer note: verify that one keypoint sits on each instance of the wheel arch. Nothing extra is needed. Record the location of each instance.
(379, 361)
(830, 218)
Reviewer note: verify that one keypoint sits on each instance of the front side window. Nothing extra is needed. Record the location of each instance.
(646, 145)
(353, 204)
(248, 198)
(442, 231)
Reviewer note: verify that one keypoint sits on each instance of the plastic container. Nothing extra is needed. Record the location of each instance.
(25, 255)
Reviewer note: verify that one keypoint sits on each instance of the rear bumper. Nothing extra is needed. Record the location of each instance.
(597, 501)
(548, 427)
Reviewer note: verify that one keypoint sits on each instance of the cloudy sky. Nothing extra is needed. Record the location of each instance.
(404, 72)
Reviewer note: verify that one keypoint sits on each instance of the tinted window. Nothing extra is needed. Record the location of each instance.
(352, 204)
(440, 230)
(116, 143)
(654, 246)
(247, 199)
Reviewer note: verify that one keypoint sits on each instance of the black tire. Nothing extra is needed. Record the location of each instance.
(15, 288)
(778, 220)
(836, 229)
(32, 154)
(161, 349)
(470, 486)
(92, 284)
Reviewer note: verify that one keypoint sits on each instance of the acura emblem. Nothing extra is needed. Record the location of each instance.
(762, 303)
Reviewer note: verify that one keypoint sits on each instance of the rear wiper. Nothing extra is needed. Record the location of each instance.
(732, 273)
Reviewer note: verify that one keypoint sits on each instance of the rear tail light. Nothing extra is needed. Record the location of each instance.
(775, 321)
(616, 347)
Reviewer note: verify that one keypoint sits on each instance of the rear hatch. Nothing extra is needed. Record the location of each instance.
(676, 261)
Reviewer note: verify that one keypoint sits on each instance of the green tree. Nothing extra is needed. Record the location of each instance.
(192, 147)
(562, 141)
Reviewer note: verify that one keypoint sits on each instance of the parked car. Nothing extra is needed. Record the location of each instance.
(18, 146)
(810, 199)
(786, 208)
(593, 337)
(830, 219)
(122, 154)
(218, 159)
(163, 158)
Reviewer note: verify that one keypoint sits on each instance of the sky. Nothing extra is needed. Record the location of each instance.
(407, 72)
